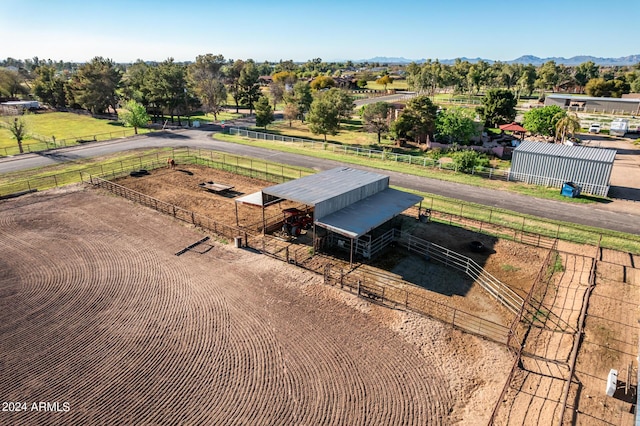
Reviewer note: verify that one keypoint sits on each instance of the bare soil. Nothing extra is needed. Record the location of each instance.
(97, 310)
(112, 321)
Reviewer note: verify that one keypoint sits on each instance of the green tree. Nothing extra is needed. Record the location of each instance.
(134, 83)
(527, 80)
(49, 87)
(287, 78)
(548, 76)
(376, 118)
(568, 124)
(478, 75)
(322, 82)
(599, 87)
(12, 83)
(206, 79)
(385, 80)
(456, 125)
(134, 115)
(250, 89)
(468, 160)
(343, 102)
(301, 96)
(93, 86)
(233, 71)
(509, 74)
(264, 113)
(417, 121)
(585, 72)
(542, 121)
(498, 107)
(18, 129)
(167, 86)
(324, 117)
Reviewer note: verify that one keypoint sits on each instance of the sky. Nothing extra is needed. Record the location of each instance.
(333, 30)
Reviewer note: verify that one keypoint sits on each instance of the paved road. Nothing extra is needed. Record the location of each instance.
(602, 216)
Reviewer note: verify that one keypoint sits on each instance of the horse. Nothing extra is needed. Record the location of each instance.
(171, 163)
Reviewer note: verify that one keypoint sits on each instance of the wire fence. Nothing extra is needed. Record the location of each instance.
(179, 213)
(509, 225)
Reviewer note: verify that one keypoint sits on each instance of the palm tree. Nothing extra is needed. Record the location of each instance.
(567, 125)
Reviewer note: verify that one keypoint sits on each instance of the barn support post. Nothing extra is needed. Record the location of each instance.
(264, 223)
(315, 248)
(237, 224)
(351, 255)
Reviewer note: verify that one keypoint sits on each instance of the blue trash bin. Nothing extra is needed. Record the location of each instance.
(570, 189)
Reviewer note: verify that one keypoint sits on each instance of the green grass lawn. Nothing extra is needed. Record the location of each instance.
(397, 85)
(351, 132)
(208, 118)
(336, 153)
(67, 128)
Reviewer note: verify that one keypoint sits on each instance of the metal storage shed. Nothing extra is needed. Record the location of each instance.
(552, 165)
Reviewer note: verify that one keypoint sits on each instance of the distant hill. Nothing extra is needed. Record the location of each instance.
(526, 59)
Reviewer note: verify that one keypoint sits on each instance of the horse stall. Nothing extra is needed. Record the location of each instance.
(365, 247)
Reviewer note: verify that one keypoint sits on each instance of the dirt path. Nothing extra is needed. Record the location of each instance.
(96, 310)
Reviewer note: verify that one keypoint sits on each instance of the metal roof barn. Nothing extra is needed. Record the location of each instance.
(360, 218)
(594, 104)
(553, 165)
(346, 202)
(329, 191)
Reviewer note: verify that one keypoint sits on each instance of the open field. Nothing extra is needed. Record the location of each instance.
(115, 324)
(67, 128)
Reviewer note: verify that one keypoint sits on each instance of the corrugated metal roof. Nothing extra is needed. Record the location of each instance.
(359, 218)
(254, 199)
(577, 152)
(313, 189)
(588, 98)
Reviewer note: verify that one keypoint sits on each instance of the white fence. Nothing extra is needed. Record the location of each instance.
(418, 160)
(502, 293)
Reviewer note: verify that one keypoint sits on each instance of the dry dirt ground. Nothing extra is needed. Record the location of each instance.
(611, 327)
(114, 322)
(97, 311)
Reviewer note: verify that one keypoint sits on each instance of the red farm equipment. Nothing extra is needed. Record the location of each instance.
(295, 221)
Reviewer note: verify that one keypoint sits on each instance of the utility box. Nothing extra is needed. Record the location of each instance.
(570, 189)
(612, 382)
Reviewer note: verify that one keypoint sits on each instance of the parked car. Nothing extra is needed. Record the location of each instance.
(595, 128)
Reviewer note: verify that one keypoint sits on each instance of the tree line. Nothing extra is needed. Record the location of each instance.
(464, 77)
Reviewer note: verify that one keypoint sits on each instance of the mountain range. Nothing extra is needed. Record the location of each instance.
(526, 59)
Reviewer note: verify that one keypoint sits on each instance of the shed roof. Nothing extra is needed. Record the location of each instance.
(313, 189)
(359, 218)
(588, 98)
(601, 155)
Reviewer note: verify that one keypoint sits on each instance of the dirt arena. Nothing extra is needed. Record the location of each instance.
(97, 311)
